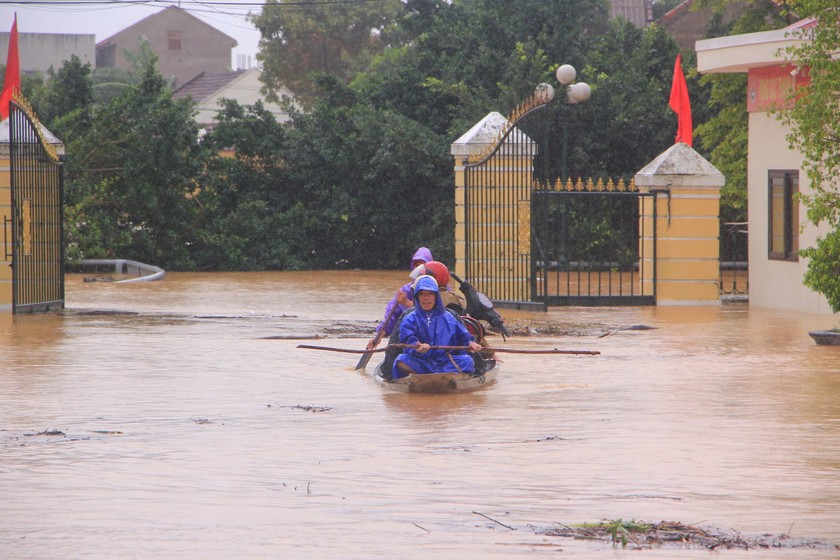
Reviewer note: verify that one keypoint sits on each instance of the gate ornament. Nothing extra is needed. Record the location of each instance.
(590, 186)
(544, 94)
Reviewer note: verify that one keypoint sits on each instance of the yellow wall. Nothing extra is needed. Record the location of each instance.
(687, 245)
(5, 213)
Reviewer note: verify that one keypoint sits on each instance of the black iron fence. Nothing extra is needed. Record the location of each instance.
(734, 263)
(587, 246)
(36, 223)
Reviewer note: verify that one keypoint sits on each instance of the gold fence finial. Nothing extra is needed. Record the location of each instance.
(24, 104)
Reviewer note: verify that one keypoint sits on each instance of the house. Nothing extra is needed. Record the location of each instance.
(778, 227)
(637, 12)
(185, 45)
(687, 24)
(38, 52)
(243, 86)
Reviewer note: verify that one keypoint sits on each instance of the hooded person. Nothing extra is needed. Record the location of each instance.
(430, 324)
(402, 300)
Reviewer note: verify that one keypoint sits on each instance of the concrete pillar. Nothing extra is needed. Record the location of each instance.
(687, 251)
(5, 215)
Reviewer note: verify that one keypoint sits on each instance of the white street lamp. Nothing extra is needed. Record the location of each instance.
(544, 93)
(578, 93)
(566, 74)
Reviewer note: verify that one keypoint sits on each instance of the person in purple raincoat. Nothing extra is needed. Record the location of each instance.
(402, 300)
(430, 324)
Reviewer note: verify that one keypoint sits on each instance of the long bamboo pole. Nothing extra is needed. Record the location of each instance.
(485, 349)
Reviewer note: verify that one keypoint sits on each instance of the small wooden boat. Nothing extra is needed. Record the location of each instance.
(448, 382)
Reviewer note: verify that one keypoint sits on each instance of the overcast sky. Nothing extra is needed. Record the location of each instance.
(106, 18)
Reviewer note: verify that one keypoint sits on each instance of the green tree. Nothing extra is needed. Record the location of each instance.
(131, 179)
(67, 106)
(347, 185)
(337, 39)
(627, 122)
(726, 135)
(815, 132)
(725, 131)
(247, 198)
(110, 82)
(376, 183)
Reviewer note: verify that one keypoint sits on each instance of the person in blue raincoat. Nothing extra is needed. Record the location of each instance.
(430, 324)
(402, 300)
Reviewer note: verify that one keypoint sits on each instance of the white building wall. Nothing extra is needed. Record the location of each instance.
(40, 51)
(246, 91)
(776, 284)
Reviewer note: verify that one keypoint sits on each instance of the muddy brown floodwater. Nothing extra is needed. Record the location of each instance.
(158, 421)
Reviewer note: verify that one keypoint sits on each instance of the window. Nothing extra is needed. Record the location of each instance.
(174, 40)
(106, 56)
(783, 215)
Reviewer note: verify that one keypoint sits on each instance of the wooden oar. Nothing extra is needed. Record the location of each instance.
(484, 349)
(346, 350)
(363, 361)
(506, 350)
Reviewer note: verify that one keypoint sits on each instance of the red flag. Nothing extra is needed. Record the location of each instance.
(11, 82)
(680, 104)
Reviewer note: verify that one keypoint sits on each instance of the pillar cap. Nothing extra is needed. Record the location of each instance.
(484, 134)
(5, 137)
(680, 165)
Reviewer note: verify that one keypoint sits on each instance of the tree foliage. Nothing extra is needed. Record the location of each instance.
(628, 122)
(815, 132)
(364, 176)
(68, 102)
(724, 130)
(131, 178)
(312, 37)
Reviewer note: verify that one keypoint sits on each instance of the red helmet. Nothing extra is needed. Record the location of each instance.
(439, 272)
(474, 326)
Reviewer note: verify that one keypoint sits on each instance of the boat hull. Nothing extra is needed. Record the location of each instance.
(439, 383)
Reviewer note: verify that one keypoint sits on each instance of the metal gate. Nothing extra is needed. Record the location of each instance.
(525, 243)
(36, 223)
(588, 245)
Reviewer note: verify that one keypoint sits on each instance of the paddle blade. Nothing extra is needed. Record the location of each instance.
(363, 361)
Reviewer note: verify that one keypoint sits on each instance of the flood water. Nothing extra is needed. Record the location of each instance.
(157, 421)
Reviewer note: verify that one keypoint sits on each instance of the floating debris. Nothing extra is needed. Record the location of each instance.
(99, 279)
(307, 408)
(48, 432)
(642, 535)
(293, 337)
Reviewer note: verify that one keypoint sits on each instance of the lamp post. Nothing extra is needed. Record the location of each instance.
(576, 92)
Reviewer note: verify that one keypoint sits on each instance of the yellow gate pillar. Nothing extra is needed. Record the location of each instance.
(6, 293)
(686, 255)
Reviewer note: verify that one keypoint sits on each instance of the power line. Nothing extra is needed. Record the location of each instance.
(179, 2)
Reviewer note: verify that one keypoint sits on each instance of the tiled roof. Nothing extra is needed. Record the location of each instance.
(675, 12)
(807, 23)
(205, 84)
